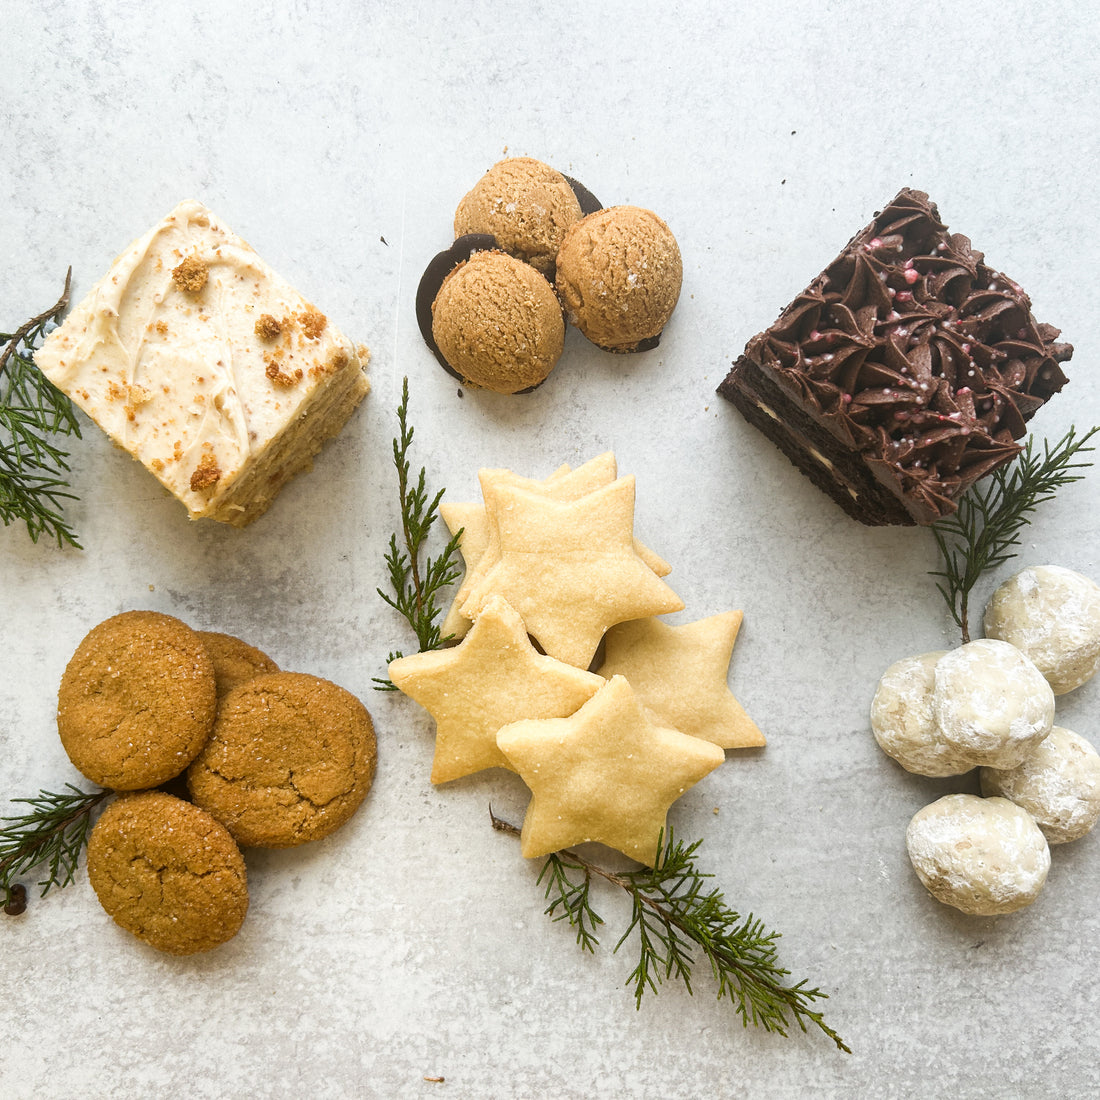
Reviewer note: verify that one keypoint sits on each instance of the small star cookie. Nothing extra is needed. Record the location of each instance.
(680, 672)
(479, 545)
(494, 677)
(607, 773)
(569, 567)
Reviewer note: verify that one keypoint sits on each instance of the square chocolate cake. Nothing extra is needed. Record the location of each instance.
(905, 371)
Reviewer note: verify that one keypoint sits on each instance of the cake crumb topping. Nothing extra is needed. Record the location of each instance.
(268, 327)
(278, 376)
(313, 323)
(206, 475)
(190, 275)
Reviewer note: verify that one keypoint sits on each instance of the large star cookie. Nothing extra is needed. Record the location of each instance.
(495, 676)
(479, 544)
(607, 773)
(680, 672)
(569, 567)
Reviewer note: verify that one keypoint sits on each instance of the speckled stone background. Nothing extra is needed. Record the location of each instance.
(337, 138)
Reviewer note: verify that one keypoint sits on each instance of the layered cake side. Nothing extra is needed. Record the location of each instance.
(903, 373)
(206, 366)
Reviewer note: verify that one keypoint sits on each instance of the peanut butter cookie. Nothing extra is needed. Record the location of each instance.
(168, 872)
(137, 700)
(290, 759)
(235, 662)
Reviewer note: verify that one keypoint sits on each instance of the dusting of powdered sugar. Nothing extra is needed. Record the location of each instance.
(991, 704)
(984, 856)
(902, 719)
(1058, 784)
(1051, 614)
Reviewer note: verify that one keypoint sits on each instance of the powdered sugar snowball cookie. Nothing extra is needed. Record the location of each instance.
(991, 704)
(1058, 784)
(902, 719)
(1053, 615)
(984, 856)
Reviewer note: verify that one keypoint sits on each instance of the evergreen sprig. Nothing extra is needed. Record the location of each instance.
(675, 916)
(33, 485)
(986, 528)
(415, 588)
(53, 833)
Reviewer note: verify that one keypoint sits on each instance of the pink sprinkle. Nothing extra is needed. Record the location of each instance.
(904, 296)
(846, 398)
(815, 335)
(911, 276)
(966, 389)
(874, 242)
(966, 349)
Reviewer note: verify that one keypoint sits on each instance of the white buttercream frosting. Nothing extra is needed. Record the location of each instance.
(165, 355)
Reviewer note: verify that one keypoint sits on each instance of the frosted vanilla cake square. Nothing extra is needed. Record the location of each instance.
(207, 367)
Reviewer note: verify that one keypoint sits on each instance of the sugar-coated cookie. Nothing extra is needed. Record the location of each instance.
(290, 759)
(235, 661)
(1052, 615)
(984, 856)
(902, 720)
(991, 704)
(167, 872)
(137, 700)
(1058, 784)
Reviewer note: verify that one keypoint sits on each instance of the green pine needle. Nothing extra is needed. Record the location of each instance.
(416, 586)
(33, 468)
(53, 833)
(675, 918)
(985, 530)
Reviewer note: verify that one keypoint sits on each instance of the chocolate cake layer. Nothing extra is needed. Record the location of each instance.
(905, 372)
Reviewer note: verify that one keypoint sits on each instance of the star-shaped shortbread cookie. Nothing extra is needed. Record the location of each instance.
(479, 545)
(607, 773)
(495, 676)
(680, 672)
(569, 567)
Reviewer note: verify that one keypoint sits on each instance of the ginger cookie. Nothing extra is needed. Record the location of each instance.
(290, 759)
(137, 700)
(235, 662)
(167, 872)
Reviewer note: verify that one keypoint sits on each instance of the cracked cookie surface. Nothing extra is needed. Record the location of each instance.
(137, 700)
(235, 661)
(290, 759)
(167, 872)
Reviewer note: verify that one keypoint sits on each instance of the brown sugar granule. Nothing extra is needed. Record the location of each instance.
(191, 275)
(313, 323)
(268, 327)
(206, 474)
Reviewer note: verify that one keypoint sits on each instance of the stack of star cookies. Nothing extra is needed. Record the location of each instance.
(552, 571)
(271, 758)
